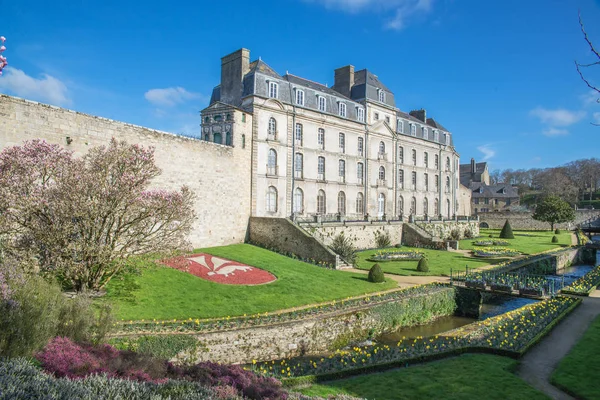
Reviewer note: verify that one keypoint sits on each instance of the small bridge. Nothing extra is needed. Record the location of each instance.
(511, 283)
(591, 225)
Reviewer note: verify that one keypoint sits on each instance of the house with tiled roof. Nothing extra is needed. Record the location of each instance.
(486, 197)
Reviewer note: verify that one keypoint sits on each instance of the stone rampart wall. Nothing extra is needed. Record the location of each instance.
(281, 235)
(218, 175)
(362, 234)
(523, 220)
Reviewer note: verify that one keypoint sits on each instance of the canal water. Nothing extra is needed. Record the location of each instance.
(491, 307)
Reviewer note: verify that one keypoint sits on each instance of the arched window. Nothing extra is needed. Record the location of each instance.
(447, 163)
(360, 203)
(228, 138)
(321, 209)
(382, 173)
(400, 205)
(341, 203)
(272, 162)
(272, 128)
(413, 206)
(207, 137)
(298, 134)
(271, 203)
(298, 201)
(381, 205)
(218, 138)
(436, 207)
(425, 206)
(381, 148)
(448, 184)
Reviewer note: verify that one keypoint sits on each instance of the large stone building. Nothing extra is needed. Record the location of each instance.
(345, 150)
(486, 197)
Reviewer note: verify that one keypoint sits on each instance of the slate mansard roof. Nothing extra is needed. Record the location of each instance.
(466, 177)
(500, 190)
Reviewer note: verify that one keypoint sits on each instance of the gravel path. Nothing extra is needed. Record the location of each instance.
(539, 363)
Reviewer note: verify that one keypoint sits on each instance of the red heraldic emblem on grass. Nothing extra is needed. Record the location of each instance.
(220, 270)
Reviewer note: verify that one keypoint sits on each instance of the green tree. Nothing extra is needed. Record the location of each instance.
(554, 210)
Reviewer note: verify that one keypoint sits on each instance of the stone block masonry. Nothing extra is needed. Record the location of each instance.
(524, 221)
(219, 175)
(362, 234)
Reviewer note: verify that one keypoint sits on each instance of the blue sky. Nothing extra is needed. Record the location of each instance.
(499, 75)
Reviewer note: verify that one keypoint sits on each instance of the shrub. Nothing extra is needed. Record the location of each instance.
(455, 234)
(557, 231)
(423, 265)
(468, 233)
(382, 239)
(506, 232)
(376, 274)
(163, 346)
(343, 246)
(490, 235)
(554, 239)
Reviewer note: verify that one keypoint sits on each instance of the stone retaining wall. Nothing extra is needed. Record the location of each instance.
(362, 234)
(523, 220)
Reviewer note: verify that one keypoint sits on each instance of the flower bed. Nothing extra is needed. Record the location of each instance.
(507, 334)
(246, 321)
(491, 242)
(397, 256)
(495, 252)
(584, 285)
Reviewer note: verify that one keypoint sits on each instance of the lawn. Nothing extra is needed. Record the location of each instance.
(165, 293)
(470, 376)
(527, 242)
(441, 262)
(578, 372)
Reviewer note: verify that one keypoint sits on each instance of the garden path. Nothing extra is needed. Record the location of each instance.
(538, 363)
(406, 281)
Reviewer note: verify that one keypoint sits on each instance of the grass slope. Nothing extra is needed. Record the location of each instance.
(441, 262)
(165, 293)
(470, 376)
(578, 372)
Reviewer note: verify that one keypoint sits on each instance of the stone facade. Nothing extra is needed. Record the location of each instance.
(344, 150)
(443, 230)
(219, 175)
(523, 220)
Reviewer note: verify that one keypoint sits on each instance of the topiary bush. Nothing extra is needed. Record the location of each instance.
(557, 231)
(455, 234)
(468, 234)
(423, 265)
(376, 274)
(554, 239)
(506, 232)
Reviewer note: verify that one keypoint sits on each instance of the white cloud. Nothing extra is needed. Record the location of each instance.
(46, 88)
(555, 132)
(558, 117)
(597, 118)
(591, 97)
(402, 9)
(169, 97)
(487, 151)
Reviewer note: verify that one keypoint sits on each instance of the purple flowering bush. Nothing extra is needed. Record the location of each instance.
(64, 358)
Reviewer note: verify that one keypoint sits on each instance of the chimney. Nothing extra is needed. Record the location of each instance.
(472, 165)
(344, 80)
(420, 115)
(233, 69)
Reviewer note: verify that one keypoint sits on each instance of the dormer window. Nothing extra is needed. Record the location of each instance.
(300, 97)
(381, 96)
(273, 90)
(360, 114)
(425, 133)
(447, 135)
(400, 125)
(436, 136)
(322, 103)
(342, 109)
(413, 130)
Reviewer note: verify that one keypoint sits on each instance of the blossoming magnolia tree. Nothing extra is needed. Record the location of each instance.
(80, 218)
(3, 62)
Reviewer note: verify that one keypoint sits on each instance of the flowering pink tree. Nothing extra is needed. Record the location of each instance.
(82, 217)
(3, 62)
